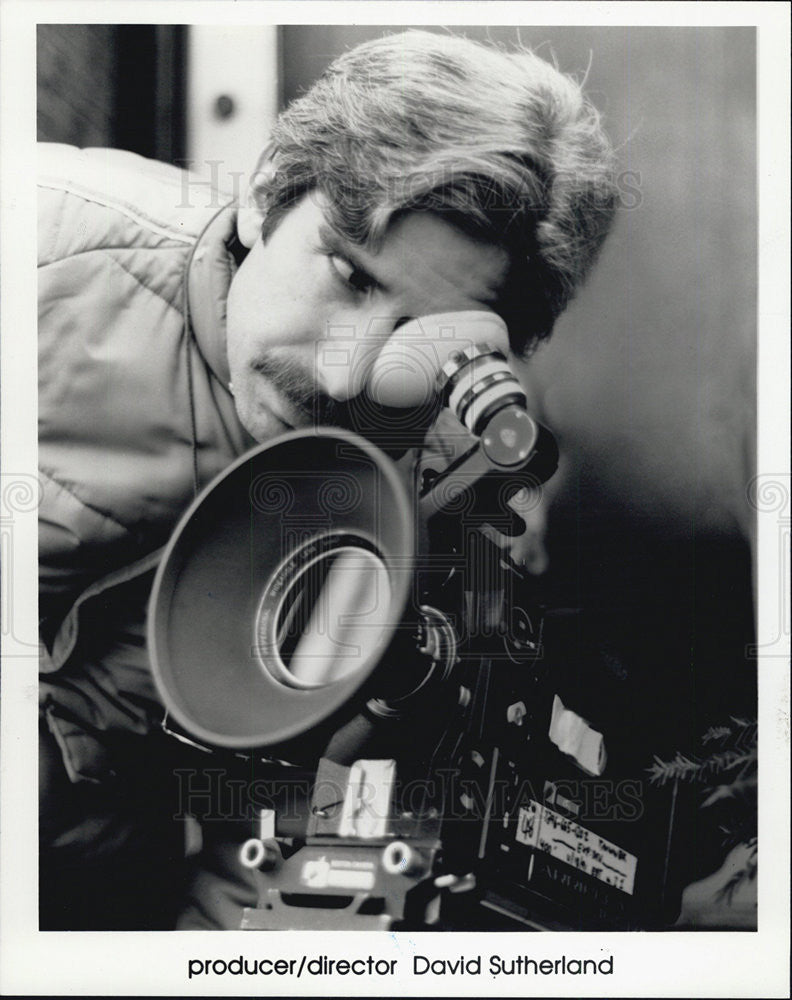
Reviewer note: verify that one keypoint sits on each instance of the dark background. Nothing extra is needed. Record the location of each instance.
(649, 380)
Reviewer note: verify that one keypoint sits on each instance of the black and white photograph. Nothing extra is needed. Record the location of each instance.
(395, 510)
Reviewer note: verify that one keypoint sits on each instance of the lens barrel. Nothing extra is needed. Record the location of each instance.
(477, 383)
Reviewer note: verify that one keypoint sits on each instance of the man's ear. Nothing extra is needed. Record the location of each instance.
(249, 221)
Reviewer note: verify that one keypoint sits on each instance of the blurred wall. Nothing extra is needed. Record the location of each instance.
(119, 85)
(231, 102)
(649, 380)
(76, 83)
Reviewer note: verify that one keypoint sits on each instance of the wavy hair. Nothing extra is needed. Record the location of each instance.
(500, 143)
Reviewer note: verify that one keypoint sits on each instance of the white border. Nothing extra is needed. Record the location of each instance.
(670, 964)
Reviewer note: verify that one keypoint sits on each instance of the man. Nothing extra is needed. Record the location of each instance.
(422, 174)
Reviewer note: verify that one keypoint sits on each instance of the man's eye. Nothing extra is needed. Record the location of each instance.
(351, 275)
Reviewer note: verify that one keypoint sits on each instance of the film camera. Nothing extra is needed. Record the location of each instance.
(447, 752)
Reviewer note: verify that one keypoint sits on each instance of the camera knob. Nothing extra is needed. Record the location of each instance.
(399, 858)
(261, 854)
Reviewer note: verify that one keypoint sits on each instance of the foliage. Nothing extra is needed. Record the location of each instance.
(726, 771)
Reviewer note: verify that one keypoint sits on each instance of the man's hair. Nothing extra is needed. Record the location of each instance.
(500, 143)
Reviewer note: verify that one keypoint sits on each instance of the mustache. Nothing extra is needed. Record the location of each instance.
(394, 429)
(297, 385)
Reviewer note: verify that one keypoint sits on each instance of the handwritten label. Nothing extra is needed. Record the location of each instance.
(549, 831)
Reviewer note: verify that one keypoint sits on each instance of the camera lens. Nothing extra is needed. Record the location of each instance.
(477, 383)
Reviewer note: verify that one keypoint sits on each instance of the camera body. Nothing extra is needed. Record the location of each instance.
(464, 754)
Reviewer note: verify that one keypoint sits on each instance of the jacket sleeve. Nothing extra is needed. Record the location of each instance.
(112, 241)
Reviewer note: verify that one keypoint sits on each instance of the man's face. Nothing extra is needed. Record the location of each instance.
(308, 313)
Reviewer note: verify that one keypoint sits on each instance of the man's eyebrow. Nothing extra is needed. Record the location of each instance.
(333, 240)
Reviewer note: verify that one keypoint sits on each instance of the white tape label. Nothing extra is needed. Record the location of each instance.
(549, 831)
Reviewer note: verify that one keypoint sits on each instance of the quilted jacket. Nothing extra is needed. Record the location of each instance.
(135, 261)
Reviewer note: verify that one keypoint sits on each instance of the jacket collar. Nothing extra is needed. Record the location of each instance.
(212, 264)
